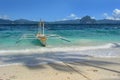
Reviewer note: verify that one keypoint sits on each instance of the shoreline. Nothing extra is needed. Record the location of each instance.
(91, 64)
(99, 52)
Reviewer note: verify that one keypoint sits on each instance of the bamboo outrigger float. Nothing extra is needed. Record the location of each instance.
(40, 35)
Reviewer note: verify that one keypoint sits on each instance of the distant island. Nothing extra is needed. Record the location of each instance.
(83, 20)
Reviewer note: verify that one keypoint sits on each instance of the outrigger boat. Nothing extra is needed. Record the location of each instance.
(41, 36)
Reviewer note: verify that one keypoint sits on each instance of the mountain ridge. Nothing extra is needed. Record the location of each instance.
(83, 20)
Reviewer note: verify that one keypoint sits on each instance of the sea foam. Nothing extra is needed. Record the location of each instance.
(33, 57)
(107, 50)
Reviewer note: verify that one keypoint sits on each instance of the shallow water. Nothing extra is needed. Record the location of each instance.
(82, 37)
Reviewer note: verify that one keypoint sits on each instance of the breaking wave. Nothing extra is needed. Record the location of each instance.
(107, 50)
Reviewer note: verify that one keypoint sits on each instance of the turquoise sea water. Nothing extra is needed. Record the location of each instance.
(79, 35)
(85, 41)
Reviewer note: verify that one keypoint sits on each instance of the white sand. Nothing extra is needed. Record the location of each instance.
(88, 69)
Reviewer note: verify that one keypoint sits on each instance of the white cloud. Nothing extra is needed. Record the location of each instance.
(93, 17)
(64, 19)
(105, 14)
(4, 17)
(77, 18)
(116, 12)
(72, 16)
(108, 17)
(115, 15)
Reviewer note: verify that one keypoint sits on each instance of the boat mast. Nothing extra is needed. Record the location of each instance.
(43, 29)
(39, 27)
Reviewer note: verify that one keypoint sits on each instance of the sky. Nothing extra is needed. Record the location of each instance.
(53, 10)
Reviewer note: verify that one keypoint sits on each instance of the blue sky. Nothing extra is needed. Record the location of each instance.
(52, 10)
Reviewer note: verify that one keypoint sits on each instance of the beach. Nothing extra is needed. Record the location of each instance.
(92, 53)
(59, 40)
(62, 66)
